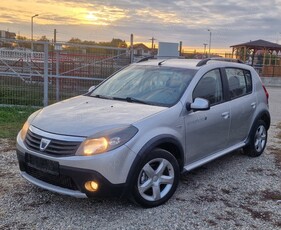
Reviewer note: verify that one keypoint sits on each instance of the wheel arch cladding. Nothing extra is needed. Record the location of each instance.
(265, 116)
(166, 142)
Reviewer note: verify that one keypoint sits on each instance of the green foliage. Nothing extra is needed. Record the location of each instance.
(91, 43)
(16, 91)
(271, 59)
(12, 119)
(242, 53)
(44, 39)
(115, 42)
(75, 41)
(21, 38)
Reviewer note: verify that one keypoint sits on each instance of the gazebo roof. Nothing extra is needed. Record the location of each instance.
(259, 44)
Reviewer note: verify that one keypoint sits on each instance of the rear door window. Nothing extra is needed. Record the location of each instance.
(239, 82)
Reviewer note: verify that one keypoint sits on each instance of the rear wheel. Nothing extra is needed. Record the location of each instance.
(156, 179)
(258, 139)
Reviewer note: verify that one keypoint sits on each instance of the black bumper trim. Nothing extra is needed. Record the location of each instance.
(78, 177)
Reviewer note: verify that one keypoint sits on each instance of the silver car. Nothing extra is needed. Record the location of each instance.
(135, 133)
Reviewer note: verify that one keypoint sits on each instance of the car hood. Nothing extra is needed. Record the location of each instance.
(84, 116)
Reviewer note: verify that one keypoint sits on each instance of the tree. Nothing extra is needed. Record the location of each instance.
(21, 38)
(115, 42)
(44, 39)
(75, 40)
(23, 42)
(89, 42)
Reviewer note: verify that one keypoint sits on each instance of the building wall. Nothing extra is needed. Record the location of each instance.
(7, 34)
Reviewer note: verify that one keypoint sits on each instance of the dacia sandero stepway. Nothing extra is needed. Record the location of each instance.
(136, 132)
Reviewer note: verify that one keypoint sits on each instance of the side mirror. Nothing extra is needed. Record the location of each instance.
(198, 104)
(91, 88)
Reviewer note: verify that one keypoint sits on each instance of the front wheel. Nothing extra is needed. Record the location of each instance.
(258, 139)
(156, 179)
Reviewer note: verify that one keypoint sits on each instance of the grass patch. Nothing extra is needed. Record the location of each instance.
(30, 92)
(12, 119)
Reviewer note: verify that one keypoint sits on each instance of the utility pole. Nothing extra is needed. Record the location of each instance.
(36, 15)
(205, 44)
(55, 36)
(180, 49)
(210, 41)
(132, 48)
(57, 51)
(152, 45)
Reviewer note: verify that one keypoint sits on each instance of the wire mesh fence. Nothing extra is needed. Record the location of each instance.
(53, 71)
(50, 72)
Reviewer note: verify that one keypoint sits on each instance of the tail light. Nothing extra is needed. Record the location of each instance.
(266, 93)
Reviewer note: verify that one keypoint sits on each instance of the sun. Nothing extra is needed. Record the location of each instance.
(91, 16)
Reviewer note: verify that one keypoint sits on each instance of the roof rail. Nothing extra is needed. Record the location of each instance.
(205, 61)
(159, 57)
(146, 59)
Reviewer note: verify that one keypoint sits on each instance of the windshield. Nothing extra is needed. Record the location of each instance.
(155, 85)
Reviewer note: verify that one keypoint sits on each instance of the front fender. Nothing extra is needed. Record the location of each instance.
(167, 142)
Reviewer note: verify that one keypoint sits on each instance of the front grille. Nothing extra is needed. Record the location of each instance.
(58, 180)
(55, 148)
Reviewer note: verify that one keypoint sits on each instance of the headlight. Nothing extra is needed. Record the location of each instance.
(106, 141)
(26, 125)
(24, 130)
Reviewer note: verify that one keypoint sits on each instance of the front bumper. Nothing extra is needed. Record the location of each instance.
(68, 174)
(66, 180)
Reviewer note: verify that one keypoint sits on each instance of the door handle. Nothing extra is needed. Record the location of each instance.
(253, 105)
(225, 115)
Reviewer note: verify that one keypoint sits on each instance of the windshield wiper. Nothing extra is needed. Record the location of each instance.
(132, 99)
(102, 96)
(128, 99)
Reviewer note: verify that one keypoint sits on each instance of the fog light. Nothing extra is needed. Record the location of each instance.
(91, 186)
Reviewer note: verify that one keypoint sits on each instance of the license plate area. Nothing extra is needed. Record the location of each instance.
(41, 164)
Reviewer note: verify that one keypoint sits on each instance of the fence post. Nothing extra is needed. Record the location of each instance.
(57, 75)
(132, 49)
(46, 59)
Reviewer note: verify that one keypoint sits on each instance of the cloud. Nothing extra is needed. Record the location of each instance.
(231, 21)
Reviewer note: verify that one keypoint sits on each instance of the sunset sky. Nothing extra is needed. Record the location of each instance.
(231, 21)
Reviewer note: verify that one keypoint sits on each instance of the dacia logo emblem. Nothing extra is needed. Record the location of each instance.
(44, 144)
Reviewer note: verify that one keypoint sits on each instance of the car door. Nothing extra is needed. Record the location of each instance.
(207, 131)
(242, 103)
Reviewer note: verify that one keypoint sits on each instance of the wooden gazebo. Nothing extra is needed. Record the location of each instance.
(253, 47)
(263, 55)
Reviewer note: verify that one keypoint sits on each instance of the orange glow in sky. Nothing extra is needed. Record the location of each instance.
(175, 21)
(56, 12)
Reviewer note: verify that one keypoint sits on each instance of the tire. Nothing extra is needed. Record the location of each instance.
(258, 139)
(156, 179)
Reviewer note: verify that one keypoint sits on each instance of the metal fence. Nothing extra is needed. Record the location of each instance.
(53, 71)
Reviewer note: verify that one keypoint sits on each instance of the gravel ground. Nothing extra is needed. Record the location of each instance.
(233, 192)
